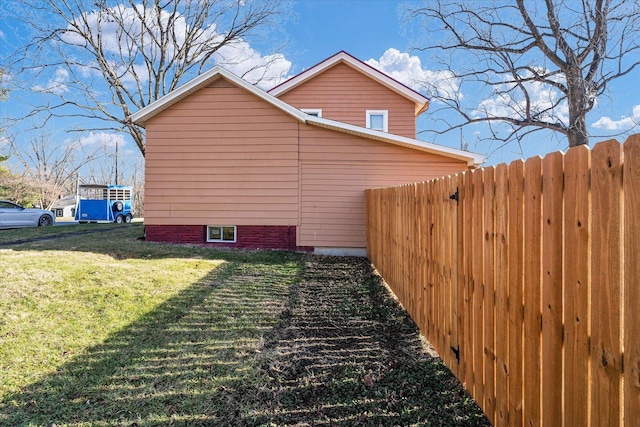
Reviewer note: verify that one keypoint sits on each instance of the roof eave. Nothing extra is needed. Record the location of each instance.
(422, 108)
(473, 160)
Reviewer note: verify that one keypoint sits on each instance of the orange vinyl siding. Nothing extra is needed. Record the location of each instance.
(336, 169)
(344, 94)
(221, 156)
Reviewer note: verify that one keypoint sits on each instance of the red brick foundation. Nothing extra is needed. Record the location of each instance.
(248, 236)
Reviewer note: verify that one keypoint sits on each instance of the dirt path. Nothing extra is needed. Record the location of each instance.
(345, 353)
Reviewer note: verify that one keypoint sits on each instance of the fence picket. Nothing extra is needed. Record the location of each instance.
(431, 265)
(438, 276)
(489, 352)
(466, 351)
(532, 366)
(419, 254)
(427, 258)
(445, 262)
(606, 351)
(577, 248)
(463, 297)
(516, 273)
(454, 340)
(552, 187)
(502, 295)
(632, 281)
(445, 293)
(477, 222)
(407, 244)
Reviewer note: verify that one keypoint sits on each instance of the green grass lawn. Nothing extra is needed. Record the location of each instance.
(105, 329)
(19, 234)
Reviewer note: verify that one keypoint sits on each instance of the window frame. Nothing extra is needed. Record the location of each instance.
(316, 112)
(222, 240)
(385, 119)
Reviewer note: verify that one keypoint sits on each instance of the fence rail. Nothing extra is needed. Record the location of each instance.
(526, 279)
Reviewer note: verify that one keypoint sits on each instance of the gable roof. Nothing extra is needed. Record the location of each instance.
(342, 57)
(144, 114)
(141, 116)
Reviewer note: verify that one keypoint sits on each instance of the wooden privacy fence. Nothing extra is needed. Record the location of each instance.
(526, 279)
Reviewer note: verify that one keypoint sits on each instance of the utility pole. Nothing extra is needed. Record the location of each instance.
(116, 183)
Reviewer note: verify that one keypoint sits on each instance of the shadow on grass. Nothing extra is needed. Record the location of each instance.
(265, 339)
(183, 363)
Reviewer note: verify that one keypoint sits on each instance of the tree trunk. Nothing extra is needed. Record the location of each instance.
(577, 133)
(577, 100)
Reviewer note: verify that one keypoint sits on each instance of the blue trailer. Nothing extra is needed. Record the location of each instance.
(110, 203)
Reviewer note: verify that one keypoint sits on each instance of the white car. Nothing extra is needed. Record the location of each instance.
(12, 215)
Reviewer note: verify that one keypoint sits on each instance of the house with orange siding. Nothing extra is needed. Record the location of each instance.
(230, 165)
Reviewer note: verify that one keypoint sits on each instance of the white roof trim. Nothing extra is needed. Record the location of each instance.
(366, 69)
(141, 116)
(472, 159)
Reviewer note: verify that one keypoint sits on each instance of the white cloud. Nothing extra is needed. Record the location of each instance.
(625, 123)
(101, 140)
(57, 85)
(242, 60)
(408, 70)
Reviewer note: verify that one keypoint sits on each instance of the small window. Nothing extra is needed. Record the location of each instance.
(226, 233)
(378, 120)
(317, 112)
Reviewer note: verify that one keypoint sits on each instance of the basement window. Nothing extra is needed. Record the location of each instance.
(221, 233)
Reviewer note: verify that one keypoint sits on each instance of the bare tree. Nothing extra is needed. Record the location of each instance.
(50, 170)
(539, 64)
(111, 59)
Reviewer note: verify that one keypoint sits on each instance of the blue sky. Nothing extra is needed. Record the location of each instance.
(363, 28)
(369, 29)
(373, 31)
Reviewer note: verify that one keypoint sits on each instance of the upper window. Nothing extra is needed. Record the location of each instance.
(225, 234)
(378, 120)
(312, 111)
